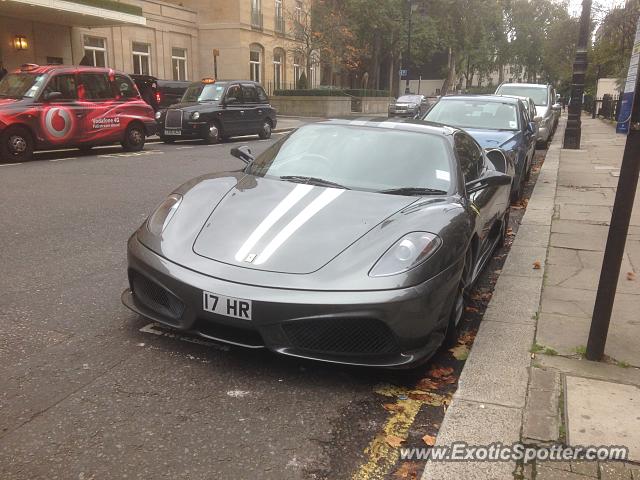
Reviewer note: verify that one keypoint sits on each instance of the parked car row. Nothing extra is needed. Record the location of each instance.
(53, 106)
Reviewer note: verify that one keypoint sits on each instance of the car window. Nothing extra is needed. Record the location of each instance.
(539, 94)
(19, 85)
(469, 155)
(474, 113)
(198, 92)
(250, 94)
(358, 157)
(96, 86)
(234, 91)
(262, 96)
(65, 84)
(123, 87)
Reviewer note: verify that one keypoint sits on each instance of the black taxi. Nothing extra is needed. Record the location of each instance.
(217, 110)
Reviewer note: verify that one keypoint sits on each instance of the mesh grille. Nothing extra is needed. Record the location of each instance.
(341, 335)
(156, 298)
(173, 119)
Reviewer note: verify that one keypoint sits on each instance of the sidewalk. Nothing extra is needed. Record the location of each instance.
(525, 379)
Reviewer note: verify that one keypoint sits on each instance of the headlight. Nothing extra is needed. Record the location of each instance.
(195, 115)
(158, 114)
(407, 253)
(159, 219)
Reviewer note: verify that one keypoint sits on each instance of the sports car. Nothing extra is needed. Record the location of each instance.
(346, 241)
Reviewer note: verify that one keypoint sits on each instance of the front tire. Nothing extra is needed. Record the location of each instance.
(16, 145)
(213, 134)
(265, 131)
(134, 138)
(457, 311)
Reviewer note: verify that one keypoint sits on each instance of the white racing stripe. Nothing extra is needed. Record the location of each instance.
(324, 199)
(270, 220)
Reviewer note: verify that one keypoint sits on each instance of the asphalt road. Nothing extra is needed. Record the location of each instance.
(89, 390)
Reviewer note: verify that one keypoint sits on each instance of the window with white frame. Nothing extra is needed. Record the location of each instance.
(255, 63)
(278, 59)
(179, 63)
(95, 51)
(141, 58)
(315, 69)
(298, 11)
(297, 70)
(279, 17)
(256, 5)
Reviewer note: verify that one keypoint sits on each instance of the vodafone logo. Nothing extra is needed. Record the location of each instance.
(58, 122)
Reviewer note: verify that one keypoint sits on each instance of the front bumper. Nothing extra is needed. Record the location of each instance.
(389, 328)
(190, 129)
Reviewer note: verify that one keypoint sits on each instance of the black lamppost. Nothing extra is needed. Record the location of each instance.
(573, 130)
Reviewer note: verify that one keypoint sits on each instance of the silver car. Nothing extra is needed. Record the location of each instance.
(547, 110)
(409, 106)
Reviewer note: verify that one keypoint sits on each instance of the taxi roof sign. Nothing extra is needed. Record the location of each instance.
(208, 80)
(27, 67)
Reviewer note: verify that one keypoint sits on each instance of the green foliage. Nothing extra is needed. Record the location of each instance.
(367, 93)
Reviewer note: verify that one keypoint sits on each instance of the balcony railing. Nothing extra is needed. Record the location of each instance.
(280, 27)
(256, 19)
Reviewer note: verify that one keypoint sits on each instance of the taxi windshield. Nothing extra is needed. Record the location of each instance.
(20, 85)
(207, 92)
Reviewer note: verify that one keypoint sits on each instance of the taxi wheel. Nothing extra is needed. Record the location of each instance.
(265, 131)
(213, 134)
(134, 138)
(16, 145)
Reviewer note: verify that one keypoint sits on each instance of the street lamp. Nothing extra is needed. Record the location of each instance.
(411, 9)
(573, 131)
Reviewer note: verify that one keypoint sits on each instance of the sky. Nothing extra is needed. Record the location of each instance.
(598, 8)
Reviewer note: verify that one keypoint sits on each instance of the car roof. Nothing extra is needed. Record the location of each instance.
(489, 98)
(539, 85)
(402, 124)
(228, 81)
(42, 69)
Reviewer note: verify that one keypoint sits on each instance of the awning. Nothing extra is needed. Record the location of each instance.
(76, 13)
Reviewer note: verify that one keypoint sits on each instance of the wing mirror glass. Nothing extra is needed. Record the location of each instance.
(489, 179)
(531, 127)
(243, 153)
(49, 96)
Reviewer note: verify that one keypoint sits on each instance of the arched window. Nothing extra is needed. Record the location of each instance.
(278, 68)
(256, 54)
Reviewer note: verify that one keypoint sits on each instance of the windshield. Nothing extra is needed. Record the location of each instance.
(538, 94)
(360, 158)
(199, 92)
(476, 113)
(20, 85)
(409, 99)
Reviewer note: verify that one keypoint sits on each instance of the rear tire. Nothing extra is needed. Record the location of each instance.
(134, 138)
(265, 131)
(16, 145)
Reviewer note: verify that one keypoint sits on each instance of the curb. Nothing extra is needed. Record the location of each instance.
(489, 404)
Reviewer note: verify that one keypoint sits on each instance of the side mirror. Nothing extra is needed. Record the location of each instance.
(556, 107)
(243, 153)
(531, 127)
(49, 96)
(490, 179)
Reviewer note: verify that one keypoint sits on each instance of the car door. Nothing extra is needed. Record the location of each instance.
(232, 110)
(252, 120)
(101, 123)
(62, 114)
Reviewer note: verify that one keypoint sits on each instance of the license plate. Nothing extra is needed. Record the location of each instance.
(227, 306)
(172, 131)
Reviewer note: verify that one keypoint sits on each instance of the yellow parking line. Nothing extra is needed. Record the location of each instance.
(381, 455)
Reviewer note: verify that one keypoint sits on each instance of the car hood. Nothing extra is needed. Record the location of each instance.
(285, 227)
(491, 138)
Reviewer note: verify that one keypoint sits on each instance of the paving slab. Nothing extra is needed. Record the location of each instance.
(515, 300)
(521, 260)
(603, 413)
(477, 424)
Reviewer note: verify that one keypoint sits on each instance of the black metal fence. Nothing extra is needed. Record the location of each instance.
(606, 106)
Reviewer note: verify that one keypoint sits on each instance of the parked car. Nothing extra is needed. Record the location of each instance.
(325, 249)
(547, 109)
(216, 111)
(160, 93)
(494, 122)
(530, 107)
(409, 106)
(43, 107)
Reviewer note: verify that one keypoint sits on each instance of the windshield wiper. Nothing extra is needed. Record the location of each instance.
(413, 191)
(313, 181)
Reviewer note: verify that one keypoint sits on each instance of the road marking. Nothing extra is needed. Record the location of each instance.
(9, 164)
(162, 331)
(382, 457)
(131, 154)
(184, 148)
(62, 159)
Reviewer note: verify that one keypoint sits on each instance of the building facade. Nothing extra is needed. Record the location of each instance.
(177, 40)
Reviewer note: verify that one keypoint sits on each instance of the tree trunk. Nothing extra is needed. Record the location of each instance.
(375, 61)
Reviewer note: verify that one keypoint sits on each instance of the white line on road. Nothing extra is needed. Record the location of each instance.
(9, 164)
(184, 148)
(62, 159)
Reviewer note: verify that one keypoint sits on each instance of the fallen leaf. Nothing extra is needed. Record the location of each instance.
(440, 372)
(408, 470)
(460, 352)
(471, 310)
(510, 232)
(467, 337)
(393, 407)
(429, 440)
(537, 265)
(631, 276)
(427, 384)
(394, 441)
